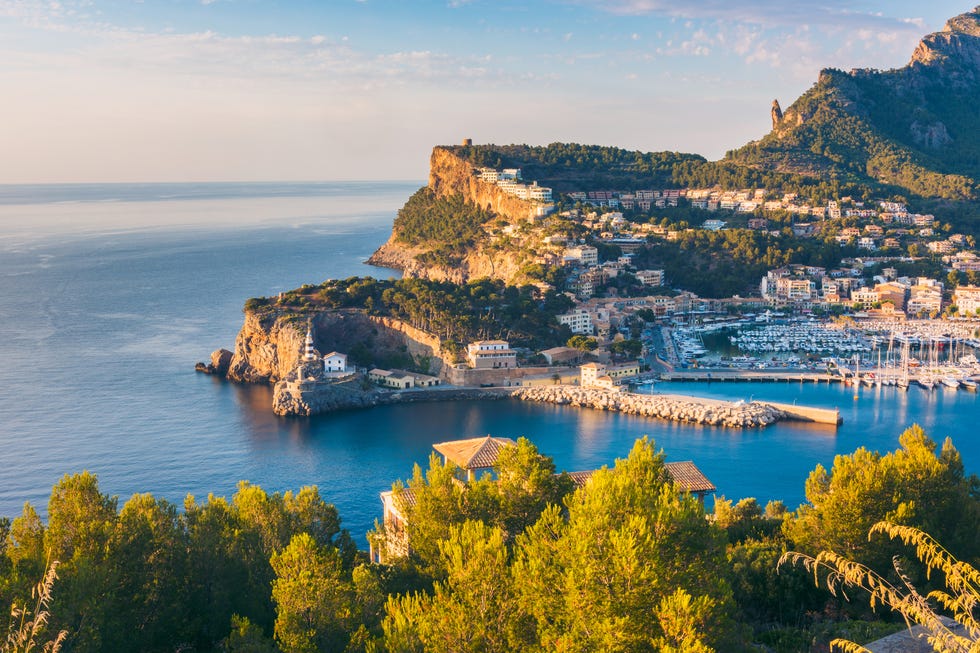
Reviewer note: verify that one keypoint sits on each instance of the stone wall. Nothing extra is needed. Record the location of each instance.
(510, 376)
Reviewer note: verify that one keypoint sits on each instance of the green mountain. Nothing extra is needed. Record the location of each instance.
(915, 129)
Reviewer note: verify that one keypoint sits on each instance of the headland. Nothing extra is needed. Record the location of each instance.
(587, 268)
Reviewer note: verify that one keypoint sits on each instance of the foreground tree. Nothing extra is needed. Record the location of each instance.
(912, 486)
(472, 611)
(313, 599)
(960, 597)
(603, 578)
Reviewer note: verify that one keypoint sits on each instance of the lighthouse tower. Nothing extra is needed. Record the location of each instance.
(309, 353)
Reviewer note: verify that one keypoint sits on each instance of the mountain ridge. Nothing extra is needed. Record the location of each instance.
(913, 128)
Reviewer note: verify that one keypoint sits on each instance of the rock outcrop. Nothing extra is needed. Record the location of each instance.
(776, 113)
(669, 407)
(475, 264)
(267, 348)
(956, 46)
(269, 344)
(219, 365)
(451, 175)
(298, 396)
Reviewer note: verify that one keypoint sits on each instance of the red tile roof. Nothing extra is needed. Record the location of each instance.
(689, 477)
(474, 453)
(685, 474)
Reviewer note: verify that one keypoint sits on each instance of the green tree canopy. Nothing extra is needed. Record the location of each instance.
(911, 486)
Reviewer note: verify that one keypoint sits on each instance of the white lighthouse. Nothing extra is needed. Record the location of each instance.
(309, 353)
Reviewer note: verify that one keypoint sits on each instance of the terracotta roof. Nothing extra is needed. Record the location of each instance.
(684, 474)
(474, 453)
(689, 477)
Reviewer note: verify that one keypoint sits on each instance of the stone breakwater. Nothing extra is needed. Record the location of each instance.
(676, 408)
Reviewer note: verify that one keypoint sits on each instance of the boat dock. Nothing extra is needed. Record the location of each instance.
(769, 376)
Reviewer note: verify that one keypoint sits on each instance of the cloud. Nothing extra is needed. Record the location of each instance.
(762, 12)
(208, 54)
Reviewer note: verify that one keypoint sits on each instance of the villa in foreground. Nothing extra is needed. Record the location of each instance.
(474, 457)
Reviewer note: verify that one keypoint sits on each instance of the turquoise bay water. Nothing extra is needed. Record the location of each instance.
(109, 294)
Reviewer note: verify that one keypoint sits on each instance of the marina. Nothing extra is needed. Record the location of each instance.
(929, 354)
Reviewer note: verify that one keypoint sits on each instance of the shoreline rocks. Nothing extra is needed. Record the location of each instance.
(219, 365)
(316, 397)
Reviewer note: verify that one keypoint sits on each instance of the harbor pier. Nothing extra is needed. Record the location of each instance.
(763, 376)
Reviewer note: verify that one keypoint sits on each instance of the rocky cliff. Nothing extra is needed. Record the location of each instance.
(451, 175)
(269, 344)
(266, 349)
(957, 46)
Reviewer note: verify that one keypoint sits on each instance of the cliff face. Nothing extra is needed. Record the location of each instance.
(450, 175)
(485, 262)
(957, 46)
(268, 347)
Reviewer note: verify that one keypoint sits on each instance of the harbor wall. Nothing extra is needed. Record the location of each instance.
(809, 413)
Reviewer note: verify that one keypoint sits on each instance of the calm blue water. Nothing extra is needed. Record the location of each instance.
(110, 293)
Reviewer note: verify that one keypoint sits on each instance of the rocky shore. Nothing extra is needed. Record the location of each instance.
(315, 398)
(676, 408)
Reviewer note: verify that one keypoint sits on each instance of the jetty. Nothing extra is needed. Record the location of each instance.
(679, 408)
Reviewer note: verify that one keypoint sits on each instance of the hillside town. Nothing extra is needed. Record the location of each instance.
(629, 323)
(885, 233)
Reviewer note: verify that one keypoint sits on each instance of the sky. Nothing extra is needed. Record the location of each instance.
(245, 90)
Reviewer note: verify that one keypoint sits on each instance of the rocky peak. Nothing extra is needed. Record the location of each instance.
(957, 45)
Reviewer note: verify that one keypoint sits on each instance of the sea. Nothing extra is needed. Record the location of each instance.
(110, 293)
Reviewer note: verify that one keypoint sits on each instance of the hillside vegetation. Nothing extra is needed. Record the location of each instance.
(913, 129)
(445, 226)
(570, 166)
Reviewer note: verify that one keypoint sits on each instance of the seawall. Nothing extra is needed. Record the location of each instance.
(293, 398)
(808, 413)
(677, 408)
(305, 399)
